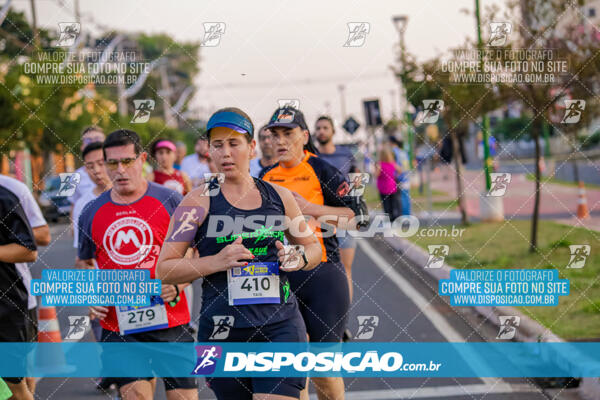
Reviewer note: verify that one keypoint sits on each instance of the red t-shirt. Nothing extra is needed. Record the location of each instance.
(172, 181)
(114, 234)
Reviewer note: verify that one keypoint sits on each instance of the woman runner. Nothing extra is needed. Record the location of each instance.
(232, 311)
(321, 192)
(165, 154)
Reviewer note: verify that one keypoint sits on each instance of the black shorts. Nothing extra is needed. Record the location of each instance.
(178, 334)
(324, 300)
(19, 330)
(32, 325)
(291, 330)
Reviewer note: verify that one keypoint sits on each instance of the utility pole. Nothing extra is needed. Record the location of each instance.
(121, 87)
(342, 88)
(77, 11)
(487, 160)
(166, 96)
(546, 132)
(400, 23)
(4, 11)
(36, 37)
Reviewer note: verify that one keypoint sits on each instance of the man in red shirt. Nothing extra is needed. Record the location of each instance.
(124, 228)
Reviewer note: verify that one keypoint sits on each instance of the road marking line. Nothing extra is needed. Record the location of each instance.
(436, 392)
(438, 321)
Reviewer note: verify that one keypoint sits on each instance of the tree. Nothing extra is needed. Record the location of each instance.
(49, 117)
(16, 36)
(560, 27)
(173, 75)
(463, 104)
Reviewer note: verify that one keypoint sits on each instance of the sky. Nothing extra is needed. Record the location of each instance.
(281, 49)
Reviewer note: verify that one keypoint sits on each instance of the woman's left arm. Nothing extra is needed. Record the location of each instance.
(301, 234)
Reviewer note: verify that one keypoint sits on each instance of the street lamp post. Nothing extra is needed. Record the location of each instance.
(400, 22)
(341, 89)
(487, 160)
(491, 208)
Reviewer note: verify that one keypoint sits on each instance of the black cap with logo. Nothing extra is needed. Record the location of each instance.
(287, 117)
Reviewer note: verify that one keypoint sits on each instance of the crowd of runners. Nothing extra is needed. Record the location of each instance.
(157, 210)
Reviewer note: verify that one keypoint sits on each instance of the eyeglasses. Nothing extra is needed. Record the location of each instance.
(126, 162)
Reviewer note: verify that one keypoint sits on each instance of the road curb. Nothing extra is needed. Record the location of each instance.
(529, 330)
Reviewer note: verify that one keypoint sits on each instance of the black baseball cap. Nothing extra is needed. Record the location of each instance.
(287, 117)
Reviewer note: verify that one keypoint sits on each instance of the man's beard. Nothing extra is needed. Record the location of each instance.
(323, 141)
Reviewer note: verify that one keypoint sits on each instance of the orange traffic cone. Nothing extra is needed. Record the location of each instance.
(49, 358)
(582, 207)
(48, 328)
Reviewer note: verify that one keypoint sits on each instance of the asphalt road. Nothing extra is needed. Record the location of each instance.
(387, 286)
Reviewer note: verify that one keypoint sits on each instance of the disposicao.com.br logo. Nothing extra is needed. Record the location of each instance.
(326, 361)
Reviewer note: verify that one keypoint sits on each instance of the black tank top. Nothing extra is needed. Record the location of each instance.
(268, 221)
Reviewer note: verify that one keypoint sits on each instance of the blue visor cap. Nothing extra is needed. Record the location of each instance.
(228, 119)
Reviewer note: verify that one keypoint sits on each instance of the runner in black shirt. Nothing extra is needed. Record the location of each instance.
(17, 244)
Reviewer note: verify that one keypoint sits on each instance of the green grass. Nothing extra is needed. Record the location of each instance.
(445, 205)
(505, 245)
(545, 179)
(371, 197)
(414, 193)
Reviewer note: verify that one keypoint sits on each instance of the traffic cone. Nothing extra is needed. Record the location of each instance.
(48, 328)
(582, 207)
(49, 358)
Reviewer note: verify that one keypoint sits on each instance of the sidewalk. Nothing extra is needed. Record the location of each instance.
(557, 202)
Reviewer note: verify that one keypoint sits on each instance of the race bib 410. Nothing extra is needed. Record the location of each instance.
(256, 283)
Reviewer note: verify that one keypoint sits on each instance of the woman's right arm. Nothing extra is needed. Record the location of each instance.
(173, 267)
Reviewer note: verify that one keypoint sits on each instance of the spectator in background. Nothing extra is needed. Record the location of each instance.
(89, 135)
(267, 157)
(165, 152)
(181, 153)
(17, 245)
(386, 170)
(41, 234)
(152, 206)
(403, 177)
(196, 165)
(93, 161)
(342, 158)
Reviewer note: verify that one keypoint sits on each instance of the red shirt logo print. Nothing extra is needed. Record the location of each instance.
(124, 239)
